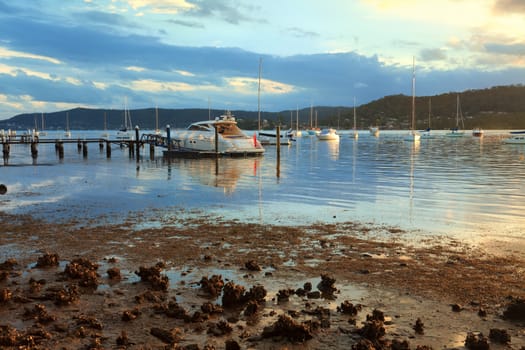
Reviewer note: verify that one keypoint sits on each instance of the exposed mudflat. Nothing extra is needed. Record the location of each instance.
(212, 284)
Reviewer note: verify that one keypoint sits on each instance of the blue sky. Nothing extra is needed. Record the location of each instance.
(57, 54)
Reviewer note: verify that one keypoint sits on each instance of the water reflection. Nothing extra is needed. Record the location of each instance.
(221, 172)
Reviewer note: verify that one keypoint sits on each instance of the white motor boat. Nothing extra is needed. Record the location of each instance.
(374, 131)
(477, 132)
(232, 141)
(328, 135)
(516, 137)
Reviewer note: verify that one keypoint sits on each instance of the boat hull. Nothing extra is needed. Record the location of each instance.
(328, 135)
(204, 142)
(517, 140)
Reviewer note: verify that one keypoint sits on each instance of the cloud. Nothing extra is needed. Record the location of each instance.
(506, 49)
(243, 85)
(432, 55)
(185, 23)
(161, 86)
(226, 10)
(161, 6)
(509, 6)
(135, 69)
(6, 53)
(301, 33)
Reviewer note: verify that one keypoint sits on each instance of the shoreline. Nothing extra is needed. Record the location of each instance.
(405, 282)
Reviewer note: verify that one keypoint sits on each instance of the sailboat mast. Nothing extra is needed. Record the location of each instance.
(156, 118)
(457, 111)
(429, 110)
(311, 115)
(354, 115)
(259, 96)
(297, 118)
(413, 93)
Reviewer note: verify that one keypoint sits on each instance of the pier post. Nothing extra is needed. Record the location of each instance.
(131, 149)
(34, 150)
(108, 149)
(79, 146)
(84, 149)
(101, 145)
(168, 137)
(151, 151)
(60, 148)
(278, 143)
(6, 147)
(216, 142)
(137, 142)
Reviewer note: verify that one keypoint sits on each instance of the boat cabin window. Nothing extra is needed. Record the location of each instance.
(199, 127)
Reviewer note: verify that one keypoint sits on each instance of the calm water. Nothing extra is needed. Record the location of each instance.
(467, 188)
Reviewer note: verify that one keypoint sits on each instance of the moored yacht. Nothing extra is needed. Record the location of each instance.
(232, 141)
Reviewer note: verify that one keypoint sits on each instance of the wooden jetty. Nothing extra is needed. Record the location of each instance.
(172, 147)
(33, 140)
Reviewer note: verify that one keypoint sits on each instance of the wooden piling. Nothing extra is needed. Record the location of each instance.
(108, 149)
(137, 143)
(6, 147)
(168, 137)
(60, 149)
(79, 146)
(151, 151)
(101, 146)
(34, 149)
(278, 146)
(216, 142)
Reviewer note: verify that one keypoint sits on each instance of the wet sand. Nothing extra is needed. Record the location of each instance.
(214, 284)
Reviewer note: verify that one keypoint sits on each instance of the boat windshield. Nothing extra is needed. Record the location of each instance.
(228, 129)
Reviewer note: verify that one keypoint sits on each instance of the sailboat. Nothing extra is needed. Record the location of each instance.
(314, 130)
(105, 134)
(426, 133)
(413, 135)
(125, 132)
(298, 133)
(67, 133)
(456, 132)
(43, 132)
(356, 134)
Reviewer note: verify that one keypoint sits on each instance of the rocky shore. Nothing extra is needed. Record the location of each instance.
(214, 284)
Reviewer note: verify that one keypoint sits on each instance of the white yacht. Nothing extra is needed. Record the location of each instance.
(200, 137)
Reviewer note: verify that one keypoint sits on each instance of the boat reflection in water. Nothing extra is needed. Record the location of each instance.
(224, 172)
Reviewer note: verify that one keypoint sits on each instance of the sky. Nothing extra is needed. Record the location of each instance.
(268, 55)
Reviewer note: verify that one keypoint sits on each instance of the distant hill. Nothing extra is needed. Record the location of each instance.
(501, 107)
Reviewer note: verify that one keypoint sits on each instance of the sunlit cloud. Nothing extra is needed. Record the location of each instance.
(6, 53)
(444, 12)
(161, 6)
(73, 81)
(244, 85)
(15, 71)
(185, 73)
(163, 86)
(135, 69)
(100, 85)
(7, 101)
